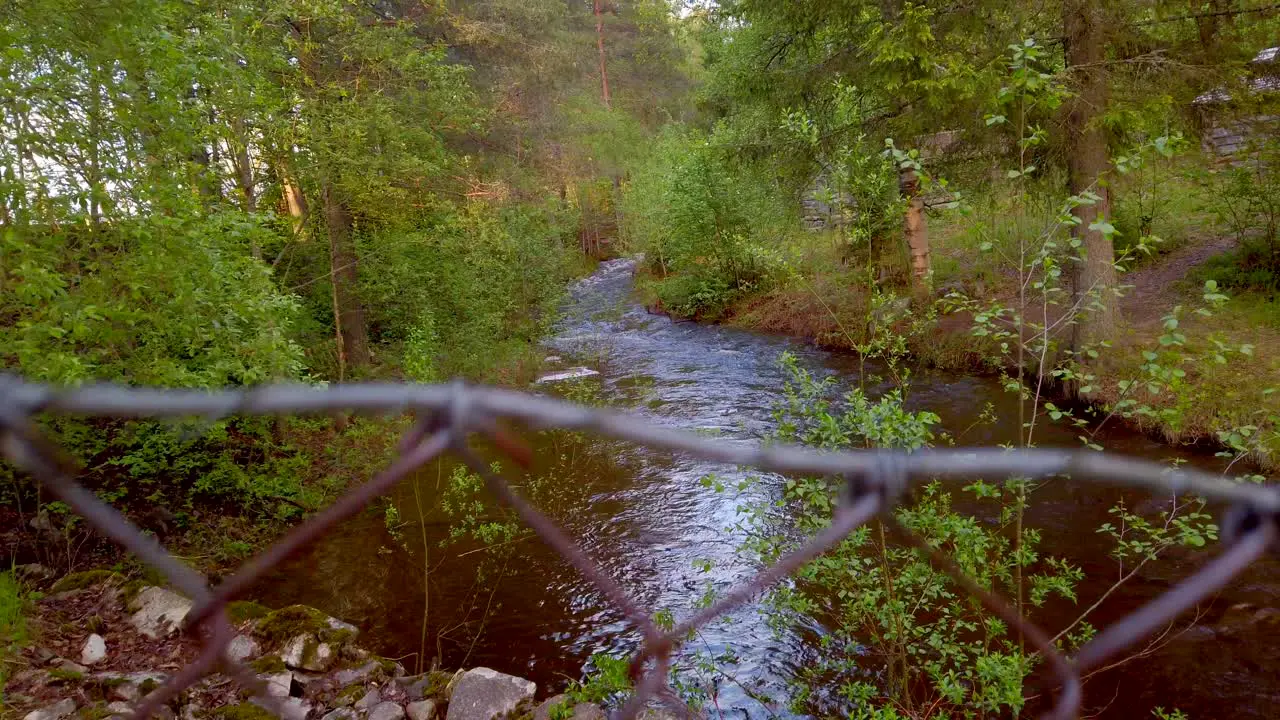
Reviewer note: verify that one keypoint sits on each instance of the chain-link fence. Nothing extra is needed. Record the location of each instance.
(448, 415)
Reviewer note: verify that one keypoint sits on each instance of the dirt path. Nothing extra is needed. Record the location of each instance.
(1155, 287)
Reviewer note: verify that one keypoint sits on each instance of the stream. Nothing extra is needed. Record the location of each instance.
(644, 516)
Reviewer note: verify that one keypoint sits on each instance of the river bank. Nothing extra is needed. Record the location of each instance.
(99, 645)
(1216, 386)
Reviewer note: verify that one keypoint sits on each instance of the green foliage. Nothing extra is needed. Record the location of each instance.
(704, 223)
(13, 625)
(894, 616)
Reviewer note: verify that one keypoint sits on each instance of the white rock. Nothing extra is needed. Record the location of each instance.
(371, 698)
(422, 710)
(56, 711)
(551, 359)
(387, 711)
(304, 652)
(484, 694)
(159, 613)
(118, 708)
(279, 684)
(94, 650)
(243, 647)
(570, 374)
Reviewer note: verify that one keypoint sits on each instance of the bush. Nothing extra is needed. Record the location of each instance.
(708, 226)
(1254, 267)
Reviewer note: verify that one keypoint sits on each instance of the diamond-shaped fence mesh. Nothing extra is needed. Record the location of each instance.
(449, 415)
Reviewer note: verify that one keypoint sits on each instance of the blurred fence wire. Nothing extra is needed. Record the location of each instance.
(448, 416)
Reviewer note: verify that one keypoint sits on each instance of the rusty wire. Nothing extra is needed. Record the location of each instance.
(449, 415)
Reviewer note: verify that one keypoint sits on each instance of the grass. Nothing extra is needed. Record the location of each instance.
(13, 625)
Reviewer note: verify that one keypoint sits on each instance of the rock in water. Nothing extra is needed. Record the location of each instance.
(56, 711)
(386, 711)
(422, 710)
(94, 650)
(484, 694)
(159, 612)
(570, 374)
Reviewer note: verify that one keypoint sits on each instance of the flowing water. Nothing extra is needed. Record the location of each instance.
(646, 519)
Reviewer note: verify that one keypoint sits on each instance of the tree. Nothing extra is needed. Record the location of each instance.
(1094, 276)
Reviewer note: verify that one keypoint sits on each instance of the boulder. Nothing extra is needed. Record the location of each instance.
(417, 687)
(119, 709)
(422, 710)
(243, 647)
(94, 650)
(279, 684)
(340, 714)
(370, 699)
(386, 711)
(159, 612)
(484, 694)
(305, 652)
(581, 711)
(56, 711)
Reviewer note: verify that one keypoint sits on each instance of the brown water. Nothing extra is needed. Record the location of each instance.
(643, 515)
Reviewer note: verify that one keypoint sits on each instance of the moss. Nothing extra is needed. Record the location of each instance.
(95, 711)
(388, 666)
(280, 626)
(131, 589)
(81, 580)
(350, 694)
(60, 675)
(242, 711)
(337, 637)
(268, 665)
(146, 686)
(437, 683)
(243, 610)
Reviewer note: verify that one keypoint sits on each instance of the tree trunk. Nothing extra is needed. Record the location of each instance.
(917, 233)
(604, 75)
(1094, 276)
(348, 314)
(241, 162)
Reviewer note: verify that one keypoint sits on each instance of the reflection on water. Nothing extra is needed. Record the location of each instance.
(645, 518)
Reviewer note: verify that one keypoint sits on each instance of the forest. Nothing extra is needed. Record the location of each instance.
(1078, 202)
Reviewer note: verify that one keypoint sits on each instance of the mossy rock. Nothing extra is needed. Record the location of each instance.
(58, 675)
(280, 626)
(242, 711)
(82, 580)
(242, 610)
(350, 694)
(269, 665)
